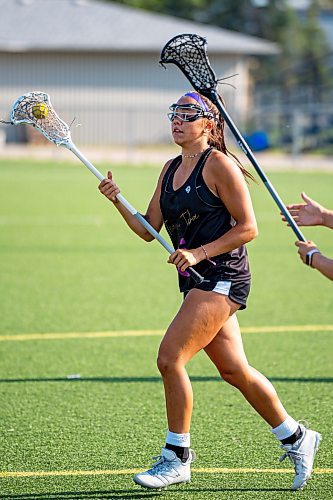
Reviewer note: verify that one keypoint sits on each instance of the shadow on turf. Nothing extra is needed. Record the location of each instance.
(83, 495)
(116, 380)
(123, 494)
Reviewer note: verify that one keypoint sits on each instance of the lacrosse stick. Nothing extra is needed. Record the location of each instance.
(35, 109)
(188, 52)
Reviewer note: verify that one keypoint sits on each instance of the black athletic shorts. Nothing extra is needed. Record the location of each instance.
(237, 291)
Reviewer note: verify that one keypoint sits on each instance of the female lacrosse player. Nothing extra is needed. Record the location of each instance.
(203, 200)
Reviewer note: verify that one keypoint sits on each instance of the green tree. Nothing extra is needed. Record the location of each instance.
(314, 49)
(302, 43)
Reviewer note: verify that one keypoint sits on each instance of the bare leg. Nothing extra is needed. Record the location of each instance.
(200, 317)
(227, 353)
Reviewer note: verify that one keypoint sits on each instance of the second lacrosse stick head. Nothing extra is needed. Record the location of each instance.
(189, 53)
(35, 108)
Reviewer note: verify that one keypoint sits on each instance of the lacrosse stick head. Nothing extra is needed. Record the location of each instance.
(189, 53)
(35, 109)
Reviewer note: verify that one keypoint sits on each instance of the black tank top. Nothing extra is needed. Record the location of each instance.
(194, 216)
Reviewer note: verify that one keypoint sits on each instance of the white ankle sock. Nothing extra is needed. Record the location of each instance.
(286, 429)
(178, 439)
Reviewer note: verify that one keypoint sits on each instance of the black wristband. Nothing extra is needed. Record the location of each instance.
(309, 256)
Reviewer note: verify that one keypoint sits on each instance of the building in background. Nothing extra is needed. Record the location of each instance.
(99, 63)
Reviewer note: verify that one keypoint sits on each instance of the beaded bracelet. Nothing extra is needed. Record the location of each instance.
(206, 255)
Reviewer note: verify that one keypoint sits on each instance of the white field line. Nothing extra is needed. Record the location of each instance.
(158, 333)
(114, 472)
(138, 333)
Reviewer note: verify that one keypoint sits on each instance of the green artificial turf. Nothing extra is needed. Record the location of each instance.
(69, 264)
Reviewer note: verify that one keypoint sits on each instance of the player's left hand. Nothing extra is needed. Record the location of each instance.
(183, 259)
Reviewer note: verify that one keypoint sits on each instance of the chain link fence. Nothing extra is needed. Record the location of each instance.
(298, 121)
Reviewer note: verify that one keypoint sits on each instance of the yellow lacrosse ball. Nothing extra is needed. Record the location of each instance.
(40, 111)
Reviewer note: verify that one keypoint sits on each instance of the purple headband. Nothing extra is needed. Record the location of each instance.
(197, 98)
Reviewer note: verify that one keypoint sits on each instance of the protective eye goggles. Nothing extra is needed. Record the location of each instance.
(188, 112)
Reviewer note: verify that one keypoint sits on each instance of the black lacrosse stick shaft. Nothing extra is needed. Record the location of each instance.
(188, 52)
(247, 151)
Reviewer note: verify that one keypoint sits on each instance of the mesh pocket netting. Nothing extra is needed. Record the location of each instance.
(189, 53)
(54, 129)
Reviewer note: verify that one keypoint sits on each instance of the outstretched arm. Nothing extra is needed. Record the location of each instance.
(310, 213)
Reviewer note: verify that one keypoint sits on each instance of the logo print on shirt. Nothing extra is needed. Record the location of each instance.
(188, 189)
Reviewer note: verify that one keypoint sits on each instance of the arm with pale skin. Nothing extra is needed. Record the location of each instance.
(227, 181)
(310, 213)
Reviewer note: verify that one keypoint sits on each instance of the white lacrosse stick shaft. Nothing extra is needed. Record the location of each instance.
(71, 146)
(120, 197)
(35, 109)
(97, 173)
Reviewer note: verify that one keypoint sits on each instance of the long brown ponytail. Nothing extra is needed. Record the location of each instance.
(216, 137)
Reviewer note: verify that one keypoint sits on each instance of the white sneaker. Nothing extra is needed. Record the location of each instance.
(302, 454)
(168, 469)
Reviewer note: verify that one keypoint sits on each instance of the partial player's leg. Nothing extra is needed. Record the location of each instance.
(200, 317)
(300, 444)
(227, 353)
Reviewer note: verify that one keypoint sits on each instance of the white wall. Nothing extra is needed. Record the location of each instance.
(117, 98)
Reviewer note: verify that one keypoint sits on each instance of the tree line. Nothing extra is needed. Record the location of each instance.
(304, 58)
